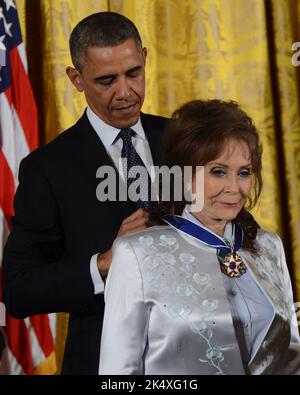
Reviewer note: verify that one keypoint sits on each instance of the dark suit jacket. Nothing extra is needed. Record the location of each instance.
(58, 225)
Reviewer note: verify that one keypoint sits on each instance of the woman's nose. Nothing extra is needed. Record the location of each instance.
(231, 183)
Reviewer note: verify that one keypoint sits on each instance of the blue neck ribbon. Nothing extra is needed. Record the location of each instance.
(202, 234)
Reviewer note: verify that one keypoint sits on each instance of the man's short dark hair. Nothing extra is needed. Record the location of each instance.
(103, 29)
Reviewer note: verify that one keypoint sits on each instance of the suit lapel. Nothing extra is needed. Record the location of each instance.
(94, 155)
(153, 134)
(91, 145)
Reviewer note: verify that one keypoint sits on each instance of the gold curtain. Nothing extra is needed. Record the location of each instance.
(228, 49)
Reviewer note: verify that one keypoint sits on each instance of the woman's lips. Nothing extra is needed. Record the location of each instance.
(229, 205)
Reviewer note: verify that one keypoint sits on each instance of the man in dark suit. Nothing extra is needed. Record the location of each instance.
(59, 250)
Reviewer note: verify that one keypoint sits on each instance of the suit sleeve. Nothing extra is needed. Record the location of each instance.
(38, 275)
(126, 317)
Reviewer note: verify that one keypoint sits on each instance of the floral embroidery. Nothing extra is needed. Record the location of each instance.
(188, 263)
(152, 262)
(167, 241)
(190, 292)
(187, 268)
(146, 241)
(198, 327)
(183, 282)
(160, 285)
(210, 304)
(215, 355)
(186, 257)
(184, 290)
(167, 258)
(180, 310)
(201, 278)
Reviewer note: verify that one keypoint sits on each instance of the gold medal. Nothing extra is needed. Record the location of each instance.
(233, 266)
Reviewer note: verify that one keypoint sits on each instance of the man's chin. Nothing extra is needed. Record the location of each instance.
(126, 122)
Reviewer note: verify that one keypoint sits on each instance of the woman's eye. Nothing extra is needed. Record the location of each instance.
(245, 173)
(218, 171)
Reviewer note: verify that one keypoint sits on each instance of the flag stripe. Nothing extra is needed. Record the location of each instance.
(21, 49)
(29, 341)
(14, 144)
(36, 351)
(7, 189)
(19, 343)
(23, 99)
(52, 322)
(43, 332)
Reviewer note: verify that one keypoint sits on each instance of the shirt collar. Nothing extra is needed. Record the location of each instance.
(108, 133)
(228, 228)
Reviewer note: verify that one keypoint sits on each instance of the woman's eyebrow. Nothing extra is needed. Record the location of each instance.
(224, 165)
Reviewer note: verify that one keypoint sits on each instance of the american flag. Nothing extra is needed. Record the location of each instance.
(28, 342)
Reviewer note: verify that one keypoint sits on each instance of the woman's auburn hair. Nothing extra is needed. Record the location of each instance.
(196, 134)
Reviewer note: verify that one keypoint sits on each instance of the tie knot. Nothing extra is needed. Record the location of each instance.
(126, 134)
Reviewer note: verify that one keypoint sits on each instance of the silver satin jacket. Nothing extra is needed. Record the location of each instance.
(167, 310)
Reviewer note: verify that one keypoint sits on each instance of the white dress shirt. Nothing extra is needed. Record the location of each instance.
(108, 135)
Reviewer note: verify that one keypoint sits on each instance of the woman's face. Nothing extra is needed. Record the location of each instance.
(227, 183)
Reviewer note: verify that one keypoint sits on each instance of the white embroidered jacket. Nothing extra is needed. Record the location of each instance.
(167, 310)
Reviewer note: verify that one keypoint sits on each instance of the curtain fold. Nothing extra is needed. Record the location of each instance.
(197, 49)
(286, 30)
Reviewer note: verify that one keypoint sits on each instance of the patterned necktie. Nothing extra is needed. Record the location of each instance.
(133, 159)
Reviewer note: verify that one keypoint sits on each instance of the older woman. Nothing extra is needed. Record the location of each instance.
(203, 293)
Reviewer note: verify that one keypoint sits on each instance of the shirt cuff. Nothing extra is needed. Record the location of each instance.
(96, 277)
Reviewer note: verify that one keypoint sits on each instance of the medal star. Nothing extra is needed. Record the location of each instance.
(10, 3)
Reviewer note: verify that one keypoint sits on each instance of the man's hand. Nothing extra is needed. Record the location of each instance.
(134, 223)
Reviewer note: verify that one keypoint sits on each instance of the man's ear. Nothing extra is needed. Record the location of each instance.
(76, 78)
(144, 52)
